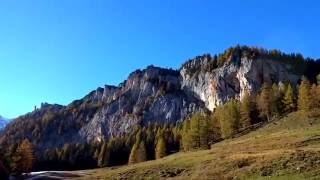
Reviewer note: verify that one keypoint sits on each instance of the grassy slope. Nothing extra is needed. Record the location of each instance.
(286, 149)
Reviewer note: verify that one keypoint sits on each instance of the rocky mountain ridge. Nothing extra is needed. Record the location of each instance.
(156, 95)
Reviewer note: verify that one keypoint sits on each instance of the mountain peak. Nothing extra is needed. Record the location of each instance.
(160, 96)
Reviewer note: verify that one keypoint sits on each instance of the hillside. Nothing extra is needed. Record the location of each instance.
(208, 99)
(284, 149)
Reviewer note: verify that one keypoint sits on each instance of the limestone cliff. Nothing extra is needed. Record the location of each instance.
(155, 95)
(238, 75)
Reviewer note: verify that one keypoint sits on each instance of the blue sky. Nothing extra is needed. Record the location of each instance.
(56, 50)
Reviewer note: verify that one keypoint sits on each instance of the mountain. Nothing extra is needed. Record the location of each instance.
(158, 95)
(3, 122)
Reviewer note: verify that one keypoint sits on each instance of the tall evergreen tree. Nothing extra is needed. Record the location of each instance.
(264, 101)
(23, 159)
(186, 140)
(304, 99)
(289, 100)
(104, 156)
(276, 100)
(246, 110)
(314, 100)
(204, 126)
(228, 116)
(150, 141)
(133, 154)
(142, 153)
(195, 131)
(101, 155)
(138, 151)
(161, 146)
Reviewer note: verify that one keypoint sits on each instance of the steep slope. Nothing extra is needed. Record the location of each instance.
(240, 73)
(285, 149)
(155, 95)
(151, 95)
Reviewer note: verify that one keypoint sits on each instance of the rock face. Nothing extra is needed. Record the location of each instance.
(153, 95)
(237, 76)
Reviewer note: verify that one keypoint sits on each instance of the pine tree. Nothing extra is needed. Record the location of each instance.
(246, 109)
(204, 131)
(228, 116)
(177, 137)
(104, 155)
(23, 159)
(276, 106)
(264, 101)
(101, 154)
(133, 154)
(186, 140)
(304, 99)
(65, 152)
(289, 100)
(195, 131)
(161, 146)
(142, 153)
(138, 151)
(150, 141)
(314, 100)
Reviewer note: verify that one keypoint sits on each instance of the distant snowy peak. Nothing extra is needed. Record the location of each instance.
(3, 122)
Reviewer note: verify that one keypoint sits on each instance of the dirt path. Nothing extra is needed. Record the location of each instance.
(56, 175)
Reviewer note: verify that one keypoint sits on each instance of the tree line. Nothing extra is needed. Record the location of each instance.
(154, 141)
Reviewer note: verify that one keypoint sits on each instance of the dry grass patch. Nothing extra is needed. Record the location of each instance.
(286, 149)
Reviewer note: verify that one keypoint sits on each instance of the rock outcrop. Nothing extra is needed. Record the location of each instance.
(238, 75)
(152, 95)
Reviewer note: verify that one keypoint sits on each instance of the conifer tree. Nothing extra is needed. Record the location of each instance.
(264, 101)
(276, 106)
(138, 151)
(133, 154)
(195, 131)
(186, 140)
(246, 109)
(104, 156)
(289, 100)
(204, 131)
(23, 159)
(177, 137)
(142, 153)
(103, 150)
(314, 100)
(228, 116)
(161, 146)
(304, 99)
(150, 141)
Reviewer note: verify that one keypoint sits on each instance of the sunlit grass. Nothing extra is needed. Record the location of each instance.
(283, 149)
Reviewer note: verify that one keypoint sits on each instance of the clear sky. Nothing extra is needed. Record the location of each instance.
(59, 50)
